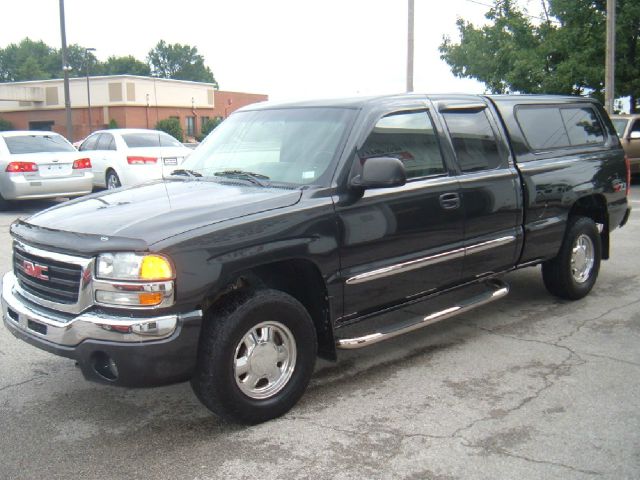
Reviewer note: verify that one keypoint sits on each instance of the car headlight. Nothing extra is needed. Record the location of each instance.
(133, 266)
(134, 280)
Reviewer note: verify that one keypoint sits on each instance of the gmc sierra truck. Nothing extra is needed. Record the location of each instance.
(296, 230)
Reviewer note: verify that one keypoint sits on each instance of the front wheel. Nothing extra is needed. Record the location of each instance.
(573, 273)
(256, 356)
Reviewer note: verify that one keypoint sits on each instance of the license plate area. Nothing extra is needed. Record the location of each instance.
(170, 161)
(54, 170)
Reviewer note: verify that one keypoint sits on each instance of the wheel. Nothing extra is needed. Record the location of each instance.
(574, 271)
(4, 204)
(113, 181)
(256, 356)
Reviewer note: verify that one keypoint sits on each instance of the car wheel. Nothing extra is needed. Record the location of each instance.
(573, 273)
(256, 356)
(113, 181)
(4, 204)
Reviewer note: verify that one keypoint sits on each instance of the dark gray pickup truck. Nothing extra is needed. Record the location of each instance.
(299, 229)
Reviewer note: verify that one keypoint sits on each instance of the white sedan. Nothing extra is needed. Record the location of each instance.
(129, 156)
(36, 164)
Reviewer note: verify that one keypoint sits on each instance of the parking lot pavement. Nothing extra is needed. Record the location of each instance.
(530, 387)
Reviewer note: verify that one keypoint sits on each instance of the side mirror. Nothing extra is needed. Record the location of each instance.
(381, 172)
(634, 135)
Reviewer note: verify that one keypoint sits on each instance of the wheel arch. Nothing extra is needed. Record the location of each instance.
(298, 277)
(595, 207)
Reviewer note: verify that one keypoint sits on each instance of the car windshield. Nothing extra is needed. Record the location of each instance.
(150, 139)
(620, 125)
(294, 145)
(21, 144)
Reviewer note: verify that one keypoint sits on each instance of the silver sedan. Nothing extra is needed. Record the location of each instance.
(41, 165)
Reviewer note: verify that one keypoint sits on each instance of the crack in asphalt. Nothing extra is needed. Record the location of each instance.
(506, 453)
(5, 387)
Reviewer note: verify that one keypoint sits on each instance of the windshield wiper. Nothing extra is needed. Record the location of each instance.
(188, 173)
(254, 178)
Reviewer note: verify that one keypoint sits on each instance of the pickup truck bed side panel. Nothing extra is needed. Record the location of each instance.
(555, 180)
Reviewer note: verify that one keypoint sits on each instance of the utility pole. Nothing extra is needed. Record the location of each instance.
(410, 46)
(65, 71)
(609, 80)
(86, 60)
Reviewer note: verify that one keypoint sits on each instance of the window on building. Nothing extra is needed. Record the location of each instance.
(191, 126)
(473, 140)
(409, 137)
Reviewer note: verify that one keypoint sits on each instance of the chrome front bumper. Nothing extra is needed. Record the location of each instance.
(69, 330)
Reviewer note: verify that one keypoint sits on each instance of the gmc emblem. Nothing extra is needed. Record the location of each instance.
(34, 270)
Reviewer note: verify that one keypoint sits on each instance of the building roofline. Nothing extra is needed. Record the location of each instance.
(97, 77)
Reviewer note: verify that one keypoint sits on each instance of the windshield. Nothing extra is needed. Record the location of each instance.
(37, 144)
(620, 124)
(295, 145)
(150, 139)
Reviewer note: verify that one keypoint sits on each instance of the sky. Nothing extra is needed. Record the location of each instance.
(287, 49)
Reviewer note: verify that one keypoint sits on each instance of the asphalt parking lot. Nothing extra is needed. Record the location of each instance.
(529, 387)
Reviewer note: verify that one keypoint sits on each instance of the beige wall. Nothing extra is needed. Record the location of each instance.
(110, 91)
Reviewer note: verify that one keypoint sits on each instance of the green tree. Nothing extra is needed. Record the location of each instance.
(28, 60)
(181, 62)
(128, 65)
(5, 125)
(562, 54)
(172, 127)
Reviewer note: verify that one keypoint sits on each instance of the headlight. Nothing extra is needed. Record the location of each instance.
(133, 266)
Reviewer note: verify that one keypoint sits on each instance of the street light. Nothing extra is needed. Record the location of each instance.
(86, 59)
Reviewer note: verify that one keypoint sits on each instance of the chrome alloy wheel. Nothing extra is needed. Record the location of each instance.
(264, 360)
(582, 258)
(112, 181)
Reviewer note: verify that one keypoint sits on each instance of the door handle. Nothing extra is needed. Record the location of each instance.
(450, 201)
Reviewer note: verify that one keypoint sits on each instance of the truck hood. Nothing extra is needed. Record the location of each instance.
(156, 211)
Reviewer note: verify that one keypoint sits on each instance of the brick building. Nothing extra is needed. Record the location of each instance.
(130, 101)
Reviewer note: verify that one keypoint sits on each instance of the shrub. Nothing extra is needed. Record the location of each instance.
(5, 125)
(172, 127)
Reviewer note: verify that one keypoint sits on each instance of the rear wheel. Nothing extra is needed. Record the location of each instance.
(256, 356)
(573, 273)
(112, 180)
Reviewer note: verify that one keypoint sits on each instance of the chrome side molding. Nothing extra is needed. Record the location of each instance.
(496, 289)
(431, 260)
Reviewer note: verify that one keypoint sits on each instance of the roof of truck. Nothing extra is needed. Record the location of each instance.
(361, 102)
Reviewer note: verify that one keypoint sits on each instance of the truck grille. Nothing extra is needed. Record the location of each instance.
(46, 278)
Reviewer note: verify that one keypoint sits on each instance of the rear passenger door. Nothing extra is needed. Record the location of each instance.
(489, 187)
(105, 156)
(402, 242)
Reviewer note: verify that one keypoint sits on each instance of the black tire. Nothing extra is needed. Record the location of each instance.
(215, 383)
(112, 181)
(4, 204)
(558, 275)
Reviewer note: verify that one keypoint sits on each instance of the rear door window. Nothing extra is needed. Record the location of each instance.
(409, 137)
(89, 143)
(474, 141)
(106, 142)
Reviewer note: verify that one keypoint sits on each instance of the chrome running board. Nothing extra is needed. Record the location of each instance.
(496, 289)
